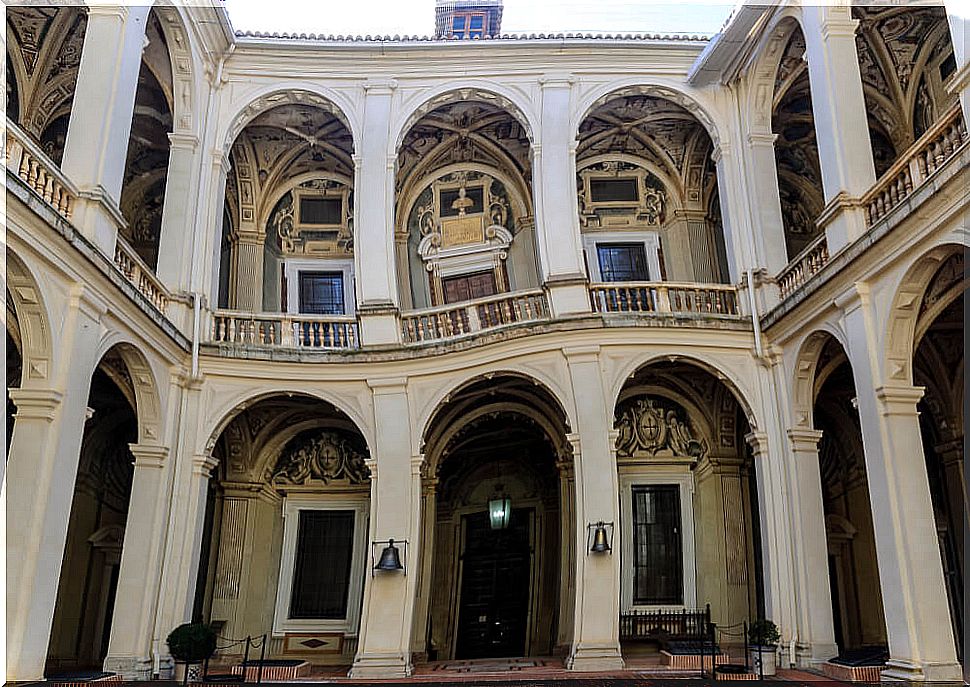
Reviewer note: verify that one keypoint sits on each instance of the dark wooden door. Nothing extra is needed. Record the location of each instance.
(496, 570)
(468, 287)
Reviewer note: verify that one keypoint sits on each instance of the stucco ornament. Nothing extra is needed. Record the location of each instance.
(648, 427)
(324, 457)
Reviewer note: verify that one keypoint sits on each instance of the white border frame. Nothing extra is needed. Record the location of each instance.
(292, 505)
(292, 269)
(650, 475)
(649, 238)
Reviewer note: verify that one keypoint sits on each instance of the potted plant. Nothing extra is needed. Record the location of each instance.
(190, 644)
(763, 639)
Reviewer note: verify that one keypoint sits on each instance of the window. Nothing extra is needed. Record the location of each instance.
(658, 562)
(322, 293)
(468, 287)
(470, 25)
(622, 262)
(614, 190)
(321, 211)
(321, 573)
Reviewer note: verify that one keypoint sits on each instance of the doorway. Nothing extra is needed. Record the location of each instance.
(496, 574)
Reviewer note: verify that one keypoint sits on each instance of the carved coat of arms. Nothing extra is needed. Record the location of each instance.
(324, 457)
(647, 427)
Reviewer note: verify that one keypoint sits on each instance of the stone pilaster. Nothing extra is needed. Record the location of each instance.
(384, 647)
(562, 268)
(596, 619)
(176, 247)
(97, 137)
(816, 627)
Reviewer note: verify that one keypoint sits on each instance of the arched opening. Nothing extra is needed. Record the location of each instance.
(796, 149)
(938, 362)
(689, 528)
(146, 166)
(284, 543)
(96, 527)
(857, 608)
(907, 62)
(288, 231)
(464, 224)
(498, 526)
(647, 188)
(43, 54)
(15, 365)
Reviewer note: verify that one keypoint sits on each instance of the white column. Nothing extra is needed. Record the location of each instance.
(248, 249)
(39, 489)
(207, 240)
(762, 186)
(556, 208)
(97, 136)
(921, 643)
(596, 624)
(384, 646)
(377, 299)
(176, 242)
(958, 17)
(730, 187)
(839, 110)
(816, 628)
(132, 623)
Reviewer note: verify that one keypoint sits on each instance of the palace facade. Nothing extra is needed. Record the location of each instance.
(584, 324)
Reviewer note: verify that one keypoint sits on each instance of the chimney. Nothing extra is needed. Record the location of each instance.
(467, 18)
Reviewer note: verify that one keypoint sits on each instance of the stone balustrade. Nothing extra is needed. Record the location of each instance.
(915, 166)
(283, 330)
(25, 159)
(140, 275)
(664, 298)
(812, 259)
(445, 322)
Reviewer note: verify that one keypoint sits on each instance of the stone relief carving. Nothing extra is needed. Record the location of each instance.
(323, 457)
(654, 427)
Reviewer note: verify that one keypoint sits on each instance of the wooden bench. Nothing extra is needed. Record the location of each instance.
(667, 626)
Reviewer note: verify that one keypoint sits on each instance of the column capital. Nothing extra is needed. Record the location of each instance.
(899, 399)
(380, 86)
(574, 441)
(758, 441)
(36, 404)
(203, 465)
(393, 385)
(180, 141)
(220, 159)
(762, 139)
(149, 455)
(804, 438)
(557, 80)
(582, 354)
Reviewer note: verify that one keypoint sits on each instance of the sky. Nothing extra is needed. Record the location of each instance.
(416, 17)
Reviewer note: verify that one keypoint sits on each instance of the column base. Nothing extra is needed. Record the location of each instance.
(899, 670)
(129, 667)
(378, 666)
(589, 658)
(379, 325)
(813, 655)
(568, 295)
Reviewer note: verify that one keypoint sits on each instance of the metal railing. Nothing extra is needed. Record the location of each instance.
(25, 159)
(664, 298)
(130, 264)
(932, 150)
(284, 330)
(812, 259)
(445, 322)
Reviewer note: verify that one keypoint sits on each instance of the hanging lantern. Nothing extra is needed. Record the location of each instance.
(500, 512)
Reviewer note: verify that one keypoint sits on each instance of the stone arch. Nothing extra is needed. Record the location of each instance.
(228, 411)
(702, 362)
(903, 316)
(764, 69)
(515, 103)
(33, 320)
(637, 86)
(143, 384)
(302, 93)
(675, 201)
(183, 58)
(269, 203)
(444, 394)
(806, 365)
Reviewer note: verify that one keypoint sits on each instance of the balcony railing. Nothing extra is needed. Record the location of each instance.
(933, 149)
(664, 298)
(284, 330)
(807, 263)
(140, 275)
(25, 159)
(450, 321)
